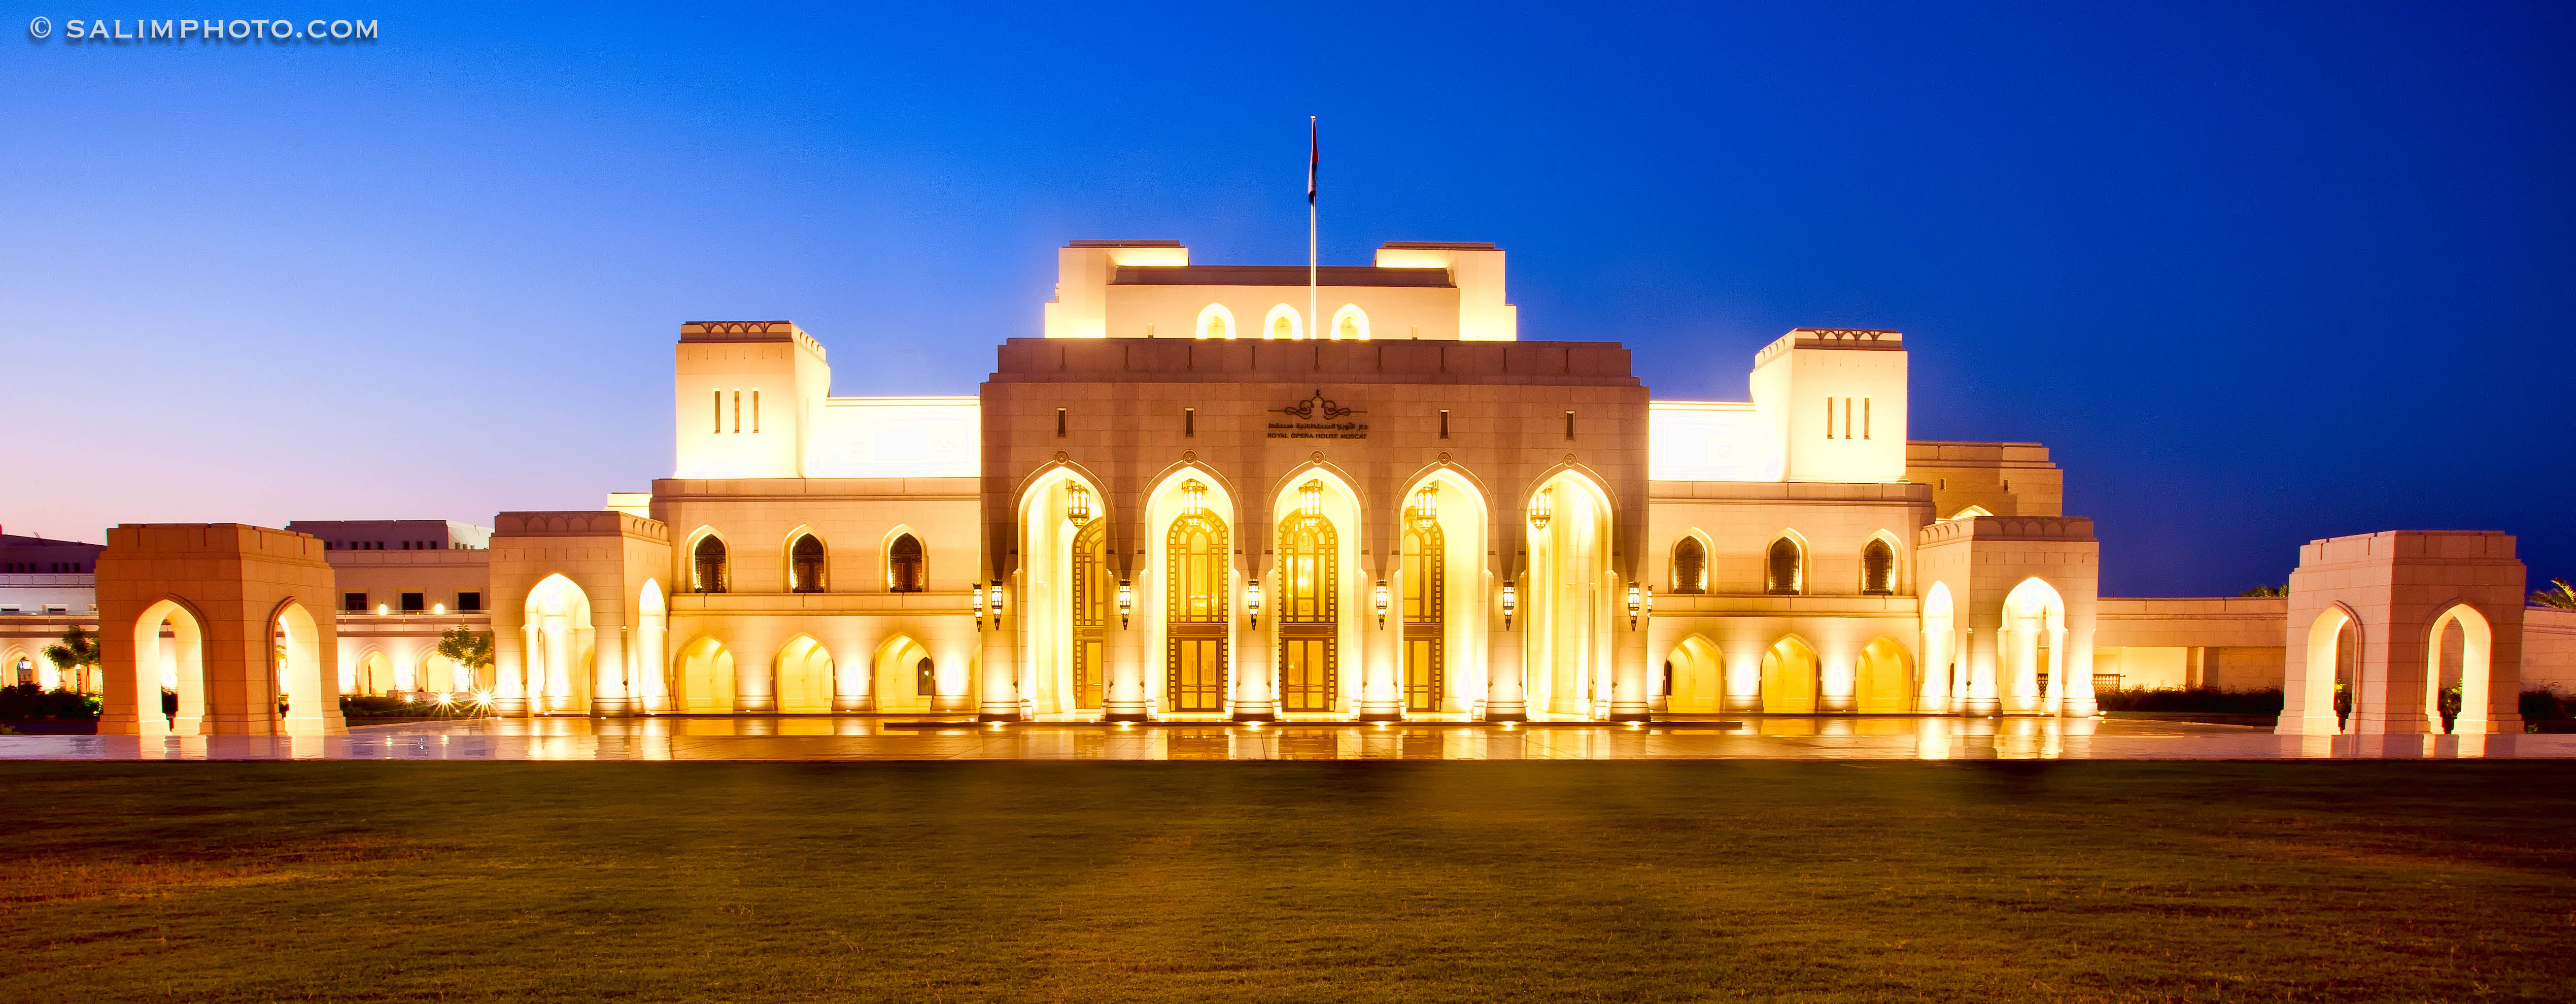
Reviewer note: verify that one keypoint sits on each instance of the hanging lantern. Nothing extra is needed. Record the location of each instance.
(1426, 506)
(1252, 600)
(1542, 508)
(1381, 602)
(1193, 497)
(1310, 499)
(1077, 503)
(1126, 601)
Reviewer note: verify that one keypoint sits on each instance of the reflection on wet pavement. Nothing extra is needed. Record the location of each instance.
(898, 737)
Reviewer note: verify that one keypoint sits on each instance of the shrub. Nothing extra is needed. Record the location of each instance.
(27, 702)
(2545, 705)
(355, 706)
(2202, 700)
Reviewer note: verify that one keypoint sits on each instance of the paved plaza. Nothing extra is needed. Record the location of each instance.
(870, 737)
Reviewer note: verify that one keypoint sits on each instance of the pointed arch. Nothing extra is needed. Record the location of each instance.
(805, 676)
(1446, 644)
(170, 672)
(301, 671)
(704, 674)
(907, 565)
(1883, 683)
(1572, 584)
(2472, 714)
(809, 566)
(1283, 324)
(652, 641)
(1350, 323)
(1689, 563)
(1790, 676)
(1215, 322)
(2333, 655)
(901, 682)
(710, 559)
(1785, 564)
(1191, 553)
(1696, 676)
(1882, 570)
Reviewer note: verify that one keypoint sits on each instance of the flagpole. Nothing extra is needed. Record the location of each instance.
(1314, 155)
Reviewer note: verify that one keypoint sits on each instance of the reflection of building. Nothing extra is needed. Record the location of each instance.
(1209, 492)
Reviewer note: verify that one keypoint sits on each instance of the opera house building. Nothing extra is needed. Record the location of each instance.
(1204, 492)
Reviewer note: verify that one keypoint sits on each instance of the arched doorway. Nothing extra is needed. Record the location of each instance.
(1789, 677)
(901, 684)
(1444, 583)
(706, 678)
(1197, 611)
(2459, 673)
(559, 645)
(1095, 589)
(1884, 682)
(170, 671)
(1698, 678)
(1425, 574)
(311, 703)
(1067, 588)
(1569, 635)
(805, 677)
(2032, 638)
(652, 686)
(1308, 609)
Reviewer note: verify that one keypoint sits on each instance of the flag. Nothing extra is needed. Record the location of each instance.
(1314, 158)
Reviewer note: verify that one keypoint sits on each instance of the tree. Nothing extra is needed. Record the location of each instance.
(78, 652)
(2266, 591)
(470, 649)
(2559, 596)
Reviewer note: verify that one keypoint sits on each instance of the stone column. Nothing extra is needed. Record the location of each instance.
(2079, 673)
(2021, 645)
(1934, 696)
(1123, 700)
(854, 680)
(1629, 700)
(510, 668)
(1984, 697)
(999, 700)
(1257, 659)
(2054, 701)
(612, 693)
(754, 677)
(1837, 669)
(1505, 699)
(653, 665)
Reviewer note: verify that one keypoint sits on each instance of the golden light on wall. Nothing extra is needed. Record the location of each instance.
(1077, 503)
(1193, 497)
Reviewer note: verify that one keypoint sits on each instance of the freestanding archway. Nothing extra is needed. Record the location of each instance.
(2371, 612)
(239, 639)
(2034, 649)
(560, 645)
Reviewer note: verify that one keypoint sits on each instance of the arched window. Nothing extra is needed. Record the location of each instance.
(906, 570)
(1690, 566)
(1878, 568)
(708, 573)
(925, 675)
(805, 565)
(1786, 574)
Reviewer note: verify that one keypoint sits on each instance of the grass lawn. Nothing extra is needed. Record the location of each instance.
(1632, 880)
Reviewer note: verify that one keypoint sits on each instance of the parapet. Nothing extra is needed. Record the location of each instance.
(748, 331)
(1831, 338)
(578, 523)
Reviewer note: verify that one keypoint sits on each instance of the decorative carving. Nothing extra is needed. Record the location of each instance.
(1318, 405)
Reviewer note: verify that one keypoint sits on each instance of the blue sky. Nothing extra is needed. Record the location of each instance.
(2257, 274)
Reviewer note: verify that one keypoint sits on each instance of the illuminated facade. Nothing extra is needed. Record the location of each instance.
(1201, 494)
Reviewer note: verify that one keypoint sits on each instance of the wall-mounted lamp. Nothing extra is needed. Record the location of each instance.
(1507, 606)
(1126, 601)
(1426, 506)
(1650, 603)
(1636, 604)
(382, 609)
(1542, 509)
(1077, 503)
(1252, 600)
(438, 608)
(997, 606)
(1381, 602)
(977, 598)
